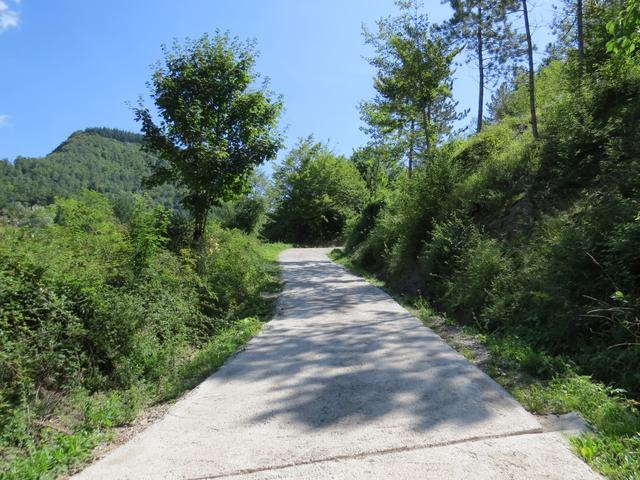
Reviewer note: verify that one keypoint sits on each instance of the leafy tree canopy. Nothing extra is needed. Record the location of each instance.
(413, 106)
(317, 193)
(625, 30)
(215, 125)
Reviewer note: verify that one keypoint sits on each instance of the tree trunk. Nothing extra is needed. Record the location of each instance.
(580, 30)
(532, 86)
(200, 215)
(411, 138)
(426, 127)
(479, 38)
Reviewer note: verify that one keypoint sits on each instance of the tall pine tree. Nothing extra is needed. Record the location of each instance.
(413, 104)
(483, 30)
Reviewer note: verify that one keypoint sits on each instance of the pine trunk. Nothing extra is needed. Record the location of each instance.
(579, 19)
(532, 86)
(480, 43)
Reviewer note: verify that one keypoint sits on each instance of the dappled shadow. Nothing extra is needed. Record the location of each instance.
(340, 352)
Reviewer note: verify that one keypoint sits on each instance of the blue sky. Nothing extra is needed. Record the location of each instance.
(72, 64)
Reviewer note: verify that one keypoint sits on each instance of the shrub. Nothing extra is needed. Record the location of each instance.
(414, 210)
(245, 214)
(97, 314)
(442, 256)
(361, 228)
(482, 263)
(232, 269)
(317, 194)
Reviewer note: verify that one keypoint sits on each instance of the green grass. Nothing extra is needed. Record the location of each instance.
(270, 251)
(81, 421)
(53, 458)
(545, 384)
(613, 448)
(211, 357)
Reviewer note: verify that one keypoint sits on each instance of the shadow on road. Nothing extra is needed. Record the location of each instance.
(341, 352)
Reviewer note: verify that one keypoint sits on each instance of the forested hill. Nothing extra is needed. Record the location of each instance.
(101, 159)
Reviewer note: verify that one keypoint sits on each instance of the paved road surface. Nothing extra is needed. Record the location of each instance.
(343, 384)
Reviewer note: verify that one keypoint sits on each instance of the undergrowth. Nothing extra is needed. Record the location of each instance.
(102, 316)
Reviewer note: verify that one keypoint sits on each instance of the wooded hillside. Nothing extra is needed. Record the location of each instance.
(106, 160)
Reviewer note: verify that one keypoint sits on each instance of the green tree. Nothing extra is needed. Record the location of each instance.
(413, 103)
(317, 194)
(625, 30)
(378, 165)
(483, 30)
(248, 212)
(584, 30)
(215, 125)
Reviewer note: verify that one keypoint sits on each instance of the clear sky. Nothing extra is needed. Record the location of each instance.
(73, 64)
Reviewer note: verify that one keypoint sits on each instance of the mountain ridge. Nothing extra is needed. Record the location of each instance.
(106, 160)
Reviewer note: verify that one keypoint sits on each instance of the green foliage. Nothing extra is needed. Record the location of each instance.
(215, 125)
(359, 231)
(246, 214)
(414, 210)
(231, 265)
(379, 166)
(99, 317)
(552, 84)
(537, 239)
(482, 263)
(442, 256)
(534, 245)
(210, 356)
(147, 234)
(613, 447)
(317, 194)
(549, 384)
(413, 104)
(487, 38)
(106, 160)
(625, 30)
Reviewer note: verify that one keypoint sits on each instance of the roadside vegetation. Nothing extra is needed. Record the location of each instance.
(527, 238)
(101, 316)
(542, 383)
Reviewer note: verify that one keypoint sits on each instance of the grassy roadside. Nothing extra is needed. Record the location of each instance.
(542, 383)
(81, 422)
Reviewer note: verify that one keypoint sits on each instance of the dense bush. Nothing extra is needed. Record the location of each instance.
(90, 304)
(246, 214)
(363, 225)
(317, 194)
(442, 256)
(407, 221)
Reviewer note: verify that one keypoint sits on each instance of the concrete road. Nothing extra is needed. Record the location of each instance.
(343, 384)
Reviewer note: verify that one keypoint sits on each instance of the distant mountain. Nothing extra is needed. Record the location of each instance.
(102, 159)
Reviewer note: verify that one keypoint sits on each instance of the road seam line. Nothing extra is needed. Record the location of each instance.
(384, 451)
